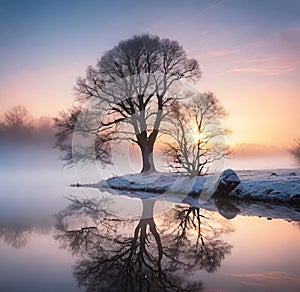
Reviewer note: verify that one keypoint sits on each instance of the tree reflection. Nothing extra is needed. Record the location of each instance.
(139, 255)
(200, 233)
(15, 235)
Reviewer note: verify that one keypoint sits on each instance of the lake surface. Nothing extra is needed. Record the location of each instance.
(57, 238)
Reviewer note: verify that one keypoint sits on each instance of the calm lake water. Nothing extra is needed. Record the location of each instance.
(57, 238)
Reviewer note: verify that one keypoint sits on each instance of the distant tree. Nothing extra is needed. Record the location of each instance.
(197, 134)
(17, 125)
(295, 150)
(17, 117)
(130, 86)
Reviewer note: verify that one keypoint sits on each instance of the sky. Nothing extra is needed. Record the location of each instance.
(249, 53)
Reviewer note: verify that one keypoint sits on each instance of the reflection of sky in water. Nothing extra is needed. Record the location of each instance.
(265, 257)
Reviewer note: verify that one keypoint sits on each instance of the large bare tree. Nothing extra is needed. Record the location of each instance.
(129, 87)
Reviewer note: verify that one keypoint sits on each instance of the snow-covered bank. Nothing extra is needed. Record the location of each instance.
(281, 186)
(159, 182)
(277, 186)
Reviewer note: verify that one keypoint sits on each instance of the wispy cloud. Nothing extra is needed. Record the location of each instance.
(211, 6)
(266, 70)
(215, 54)
(275, 55)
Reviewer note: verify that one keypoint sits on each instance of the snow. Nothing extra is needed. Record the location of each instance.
(282, 186)
(154, 182)
(160, 182)
(229, 175)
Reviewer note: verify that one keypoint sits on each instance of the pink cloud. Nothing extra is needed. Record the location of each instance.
(266, 70)
(275, 55)
(215, 54)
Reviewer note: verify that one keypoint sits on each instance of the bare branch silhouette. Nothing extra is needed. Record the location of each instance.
(197, 135)
(129, 87)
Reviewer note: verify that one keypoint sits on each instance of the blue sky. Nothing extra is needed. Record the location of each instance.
(248, 52)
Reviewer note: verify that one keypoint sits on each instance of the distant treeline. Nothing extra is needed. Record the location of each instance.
(18, 126)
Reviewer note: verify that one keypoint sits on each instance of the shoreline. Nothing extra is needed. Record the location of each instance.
(261, 185)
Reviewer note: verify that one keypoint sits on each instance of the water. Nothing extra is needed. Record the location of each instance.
(51, 243)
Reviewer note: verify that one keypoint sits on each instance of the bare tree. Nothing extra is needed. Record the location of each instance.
(197, 134)
(129, 86)
(16, 125)
(295, 150)
(18, 117)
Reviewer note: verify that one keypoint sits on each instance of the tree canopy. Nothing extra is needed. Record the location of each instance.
(129, 86)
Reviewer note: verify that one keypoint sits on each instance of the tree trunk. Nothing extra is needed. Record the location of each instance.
(147, 156)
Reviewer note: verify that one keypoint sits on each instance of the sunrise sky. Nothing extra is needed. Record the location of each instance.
(249, 52)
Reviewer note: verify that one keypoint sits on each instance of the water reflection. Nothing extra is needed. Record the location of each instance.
(17, 233)
(226, 208)
(149, 254)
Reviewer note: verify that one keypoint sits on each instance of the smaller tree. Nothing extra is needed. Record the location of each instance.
(295, 150)
(17, 117)
(17, 125)
(197, 136)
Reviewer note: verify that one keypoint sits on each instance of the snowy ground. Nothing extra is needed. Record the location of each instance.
(281, 186)
(160, 182)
